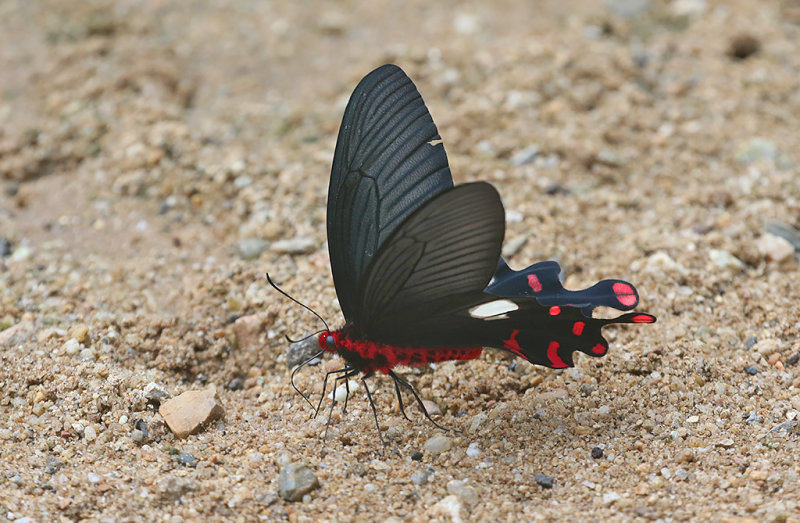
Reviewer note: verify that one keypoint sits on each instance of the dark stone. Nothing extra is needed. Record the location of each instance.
(751, 370)
(236, 383)
(416, 455)
(743, 46)
(793, 359)
(751, 342)
(52, 465)
(597, 452)
(544, 480)
(5, 247)
(301, 351)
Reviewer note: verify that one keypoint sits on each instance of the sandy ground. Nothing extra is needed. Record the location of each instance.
(155, 155)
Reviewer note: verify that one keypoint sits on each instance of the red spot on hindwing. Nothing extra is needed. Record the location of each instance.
(577, 328)
(534, 283)
(555, 310)
(513, 345)
(599, 349)
(552, 355)
(643, 318)
(625, 294)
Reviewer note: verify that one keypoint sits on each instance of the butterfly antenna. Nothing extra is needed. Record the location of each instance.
(274, 286)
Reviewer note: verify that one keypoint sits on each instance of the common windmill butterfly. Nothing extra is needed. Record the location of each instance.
(416, 260)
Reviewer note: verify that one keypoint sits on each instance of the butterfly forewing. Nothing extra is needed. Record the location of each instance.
(385, 166)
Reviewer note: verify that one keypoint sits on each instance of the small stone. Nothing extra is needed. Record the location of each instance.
(793, 359)
(93, 478)
(296, 480)
(247, 330)
(692, 419)
(743, 46)
(758, 149)
(5, 248)
(432, 408)
(236, 383)
(16, 334)
(449, 508)
(514, 245)
(785, 231)
(184, 458)
(79, 332)
(751, 370)
(297, 353)
(725, 260)
(137, 435)
(597, 452)
(416, 455)
(524, 156)
(608, 157)
(477, 421)
(155, 393)
(72, 346)
(466, 493)
(628, 8)
(751, 341)
(6, 434)
(473, 450)
(610, 498)
(438, 444)
(89, 434)
(681, 474)
(189, 412)
(52, 465)
(251, 248)
(294, 246)
(420, 477)
(543, 480)
(173, 487)
(774, 248)
(587, 389)
(684, 456)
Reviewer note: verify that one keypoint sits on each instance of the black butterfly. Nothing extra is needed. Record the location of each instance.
(416, 260)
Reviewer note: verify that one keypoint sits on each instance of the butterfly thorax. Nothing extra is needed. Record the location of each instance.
(371, 356)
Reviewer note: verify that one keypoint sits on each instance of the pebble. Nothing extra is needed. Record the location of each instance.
(89, 433)
(473, 450)
(5, 248)
(79, 332)
(543, 480)
(449, 508)
(724, 259)
(187, 413)
(525, 156)
(297, 353)
(514, 245)
(247, 330)
(751, 370)
(294, 246)
(681, 474)
(16, 334)
(774, 248)
(466, 493)
(184, 458)
(597, 452)
(684, 456)
(438, 444)
(416, 455)
(692, 419)
(236, 383)
(725, 443)
(296, 480)
(52, 465)
(173, 487)
(751, 341)
(155, 393)
(251, 248)
(477, 421)
(72, 346)
(432, 408)
(93, 478)
(420, 477)
(785, 231)
(610, 497)
(628, 8)
(757, 149)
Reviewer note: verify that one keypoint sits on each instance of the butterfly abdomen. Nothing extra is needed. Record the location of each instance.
(370, 356)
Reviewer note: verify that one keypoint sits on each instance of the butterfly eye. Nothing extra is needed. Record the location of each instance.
(330, 342)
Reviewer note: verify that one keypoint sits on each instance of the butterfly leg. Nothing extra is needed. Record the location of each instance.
(399, 396)
(419, 402)
(350, 372)
(325, 386)
(309, 360)
(374, 411)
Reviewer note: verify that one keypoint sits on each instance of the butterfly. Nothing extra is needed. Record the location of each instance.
(416, 260)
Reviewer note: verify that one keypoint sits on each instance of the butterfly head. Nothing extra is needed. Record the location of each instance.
(328, 340)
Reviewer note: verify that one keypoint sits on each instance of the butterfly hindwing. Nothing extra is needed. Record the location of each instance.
(389, 160)
(440, 258)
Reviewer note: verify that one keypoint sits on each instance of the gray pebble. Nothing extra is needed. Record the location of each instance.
(751, 370)
(597, 452)
(52, 465)
(465, 492)
(438, 444)
(297, 353)
(236, 383)
(751, 341)
(184, 458)
(5, 247)
(251, 248)
(544, 480)
(416, 455)
(294, 246)
(419, 477)
(628, 8)
(524, 156)
(296, 480)
(785, 231)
